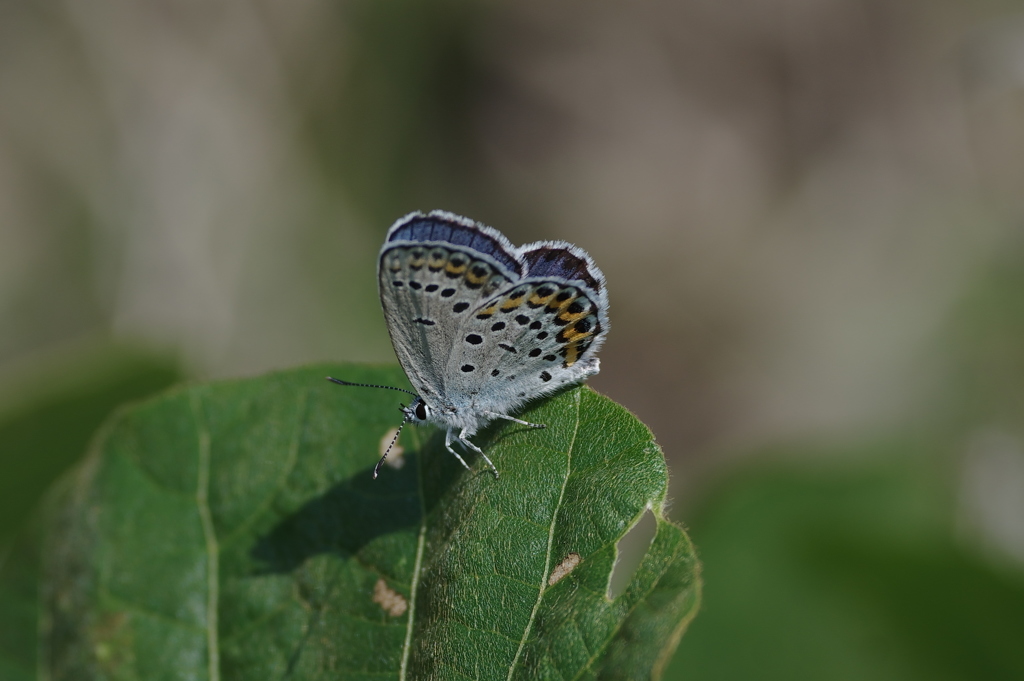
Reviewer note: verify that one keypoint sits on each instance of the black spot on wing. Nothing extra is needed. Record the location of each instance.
(424, 322)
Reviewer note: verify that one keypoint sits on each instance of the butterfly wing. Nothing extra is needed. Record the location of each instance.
(433, 271)
(535, 335)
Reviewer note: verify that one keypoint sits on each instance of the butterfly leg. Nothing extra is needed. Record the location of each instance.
(513, 418)
(464, 439)
(448, 446)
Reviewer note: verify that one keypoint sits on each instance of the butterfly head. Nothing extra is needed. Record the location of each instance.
(417, 411)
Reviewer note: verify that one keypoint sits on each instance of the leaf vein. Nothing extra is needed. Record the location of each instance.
(210, 537)
(293, 456)
(417, 565)
(551, 539)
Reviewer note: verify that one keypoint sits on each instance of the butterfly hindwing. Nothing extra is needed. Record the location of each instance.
(524, 342)
(536, 335)
(582, 318)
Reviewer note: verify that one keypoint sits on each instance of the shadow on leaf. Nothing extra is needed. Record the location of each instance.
(354, 512)
(344, 518)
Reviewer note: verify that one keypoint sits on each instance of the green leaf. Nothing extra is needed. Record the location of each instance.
(47, 416)
(233, 531)
(61, 405)
(19, 599)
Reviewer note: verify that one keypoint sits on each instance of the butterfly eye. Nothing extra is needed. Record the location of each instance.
(421, 411)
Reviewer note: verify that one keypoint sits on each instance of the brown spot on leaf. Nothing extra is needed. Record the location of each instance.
(565, 567)
(390, 601)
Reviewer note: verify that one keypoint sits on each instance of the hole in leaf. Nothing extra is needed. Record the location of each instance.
(630, 550)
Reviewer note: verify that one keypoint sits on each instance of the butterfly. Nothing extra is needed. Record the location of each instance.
(481, 326)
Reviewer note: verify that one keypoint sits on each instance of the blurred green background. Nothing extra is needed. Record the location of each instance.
(811, 216)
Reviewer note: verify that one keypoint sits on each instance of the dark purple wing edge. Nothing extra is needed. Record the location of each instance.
(561, 259)
(441, 226)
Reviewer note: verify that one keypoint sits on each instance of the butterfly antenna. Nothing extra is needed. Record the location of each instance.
(380, 463)
(369, 385)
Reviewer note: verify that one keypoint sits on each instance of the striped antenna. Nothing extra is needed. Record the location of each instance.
(376, 469)
(369, 385)
(380, 463)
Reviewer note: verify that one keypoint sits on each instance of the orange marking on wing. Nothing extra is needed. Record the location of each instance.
(570, 317)
(436, 260)
(537, 300)
(556, 305)
(482, 314)
(574, 336)
(511, 304)
(474, 279)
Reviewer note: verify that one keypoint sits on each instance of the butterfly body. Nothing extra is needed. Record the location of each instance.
(481, 326)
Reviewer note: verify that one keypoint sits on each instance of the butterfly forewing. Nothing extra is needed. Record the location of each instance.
(428, 291)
